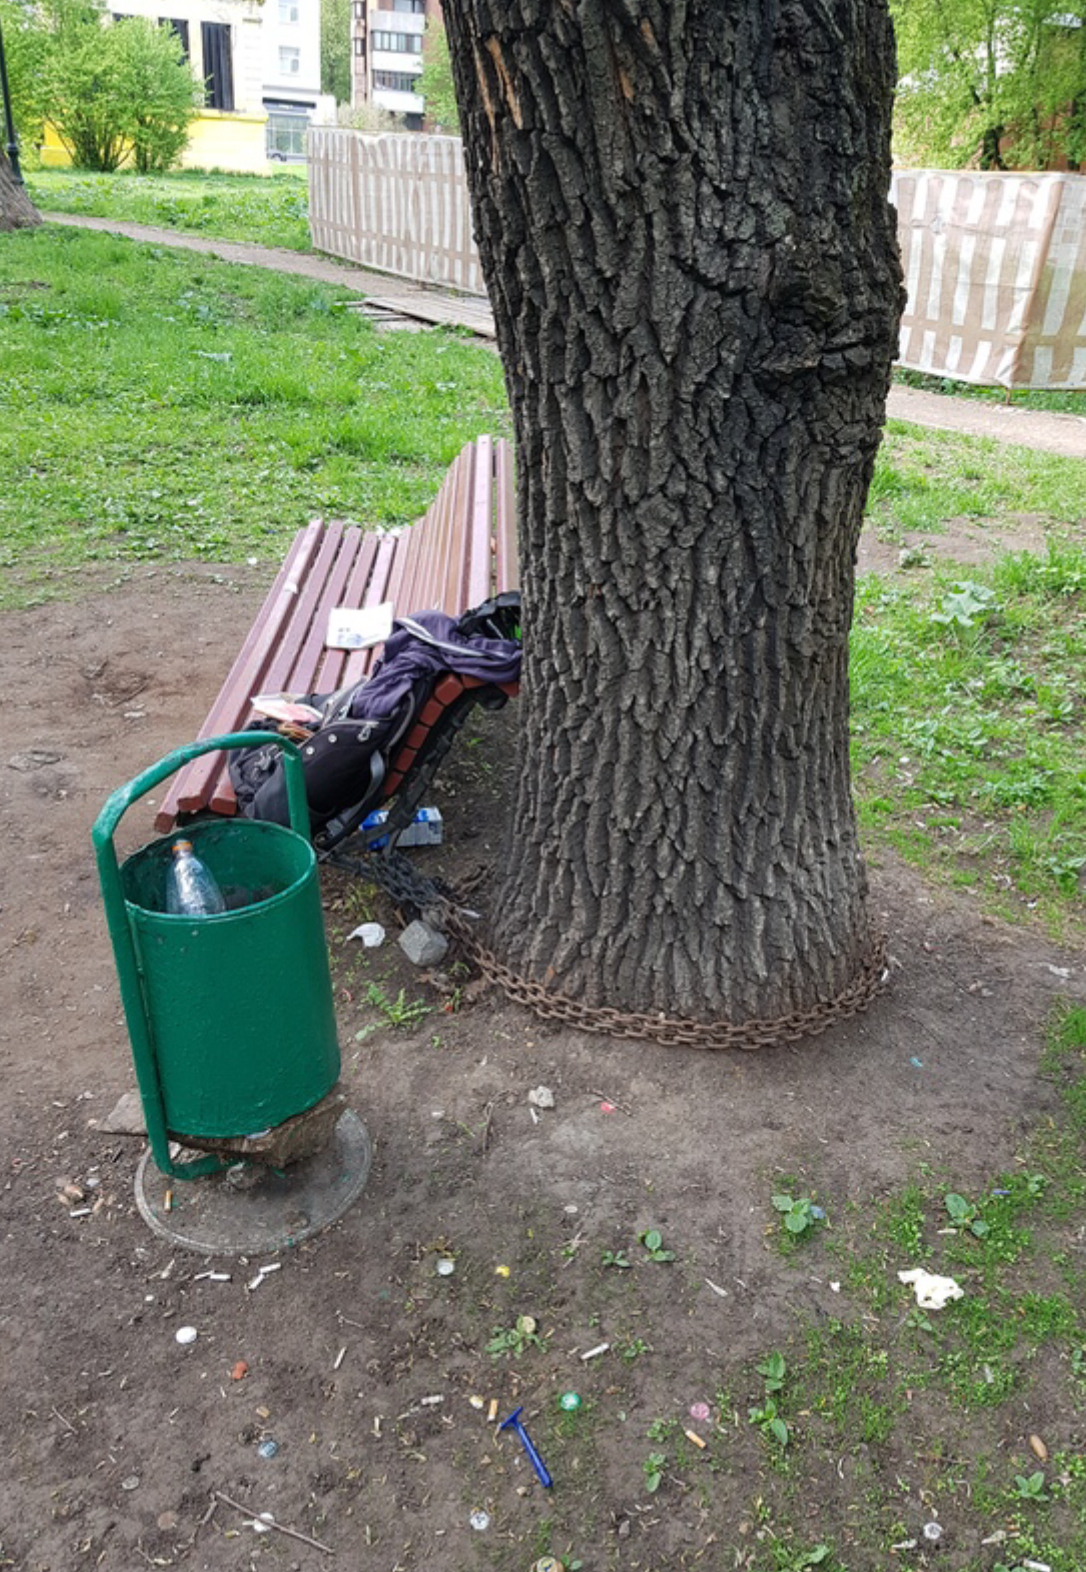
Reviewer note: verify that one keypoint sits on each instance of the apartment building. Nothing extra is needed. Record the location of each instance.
(386, 55)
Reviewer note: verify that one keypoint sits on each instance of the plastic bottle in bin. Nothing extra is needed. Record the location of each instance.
(191, 890)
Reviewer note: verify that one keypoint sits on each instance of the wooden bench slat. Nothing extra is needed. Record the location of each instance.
(476, 587)
(191, 783)
(414, 589)
(431, 588)
(311, 607)
(358, 662)
(507, 568)
(329, 674)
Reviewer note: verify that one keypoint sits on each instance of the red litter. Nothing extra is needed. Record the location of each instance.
(608, 1108)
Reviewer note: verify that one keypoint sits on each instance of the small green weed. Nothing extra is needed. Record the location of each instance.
(799, 1215)
(634, 1349)
(769, 1422)
(515, 1340)
(1031, 1487)
(653, 1242)
(615, 1258)
(653, 1469)
(965, 605)
(401, 1011)
(966, 1215)
(773, 1370)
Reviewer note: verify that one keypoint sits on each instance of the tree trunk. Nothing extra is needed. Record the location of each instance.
(16, 209)
(681, 207)
(990, 155)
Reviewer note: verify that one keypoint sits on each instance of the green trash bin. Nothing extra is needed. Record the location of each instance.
(230, 1016)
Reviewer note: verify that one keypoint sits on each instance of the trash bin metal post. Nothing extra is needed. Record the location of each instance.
(140, 1028)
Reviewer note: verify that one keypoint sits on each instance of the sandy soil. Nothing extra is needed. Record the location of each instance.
(114, 1437)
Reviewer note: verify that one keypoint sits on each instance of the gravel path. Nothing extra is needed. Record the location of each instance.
(1042, 429)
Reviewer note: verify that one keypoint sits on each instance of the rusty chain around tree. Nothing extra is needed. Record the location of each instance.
(401, 880)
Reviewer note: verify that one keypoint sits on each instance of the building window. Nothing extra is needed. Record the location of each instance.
(360, 10)
(218, 70)
(360, 46)
(180, 28)
(398, 43)
(397, 81)
(417, 7)
(286, 134)
(290, 61)
(288, 13)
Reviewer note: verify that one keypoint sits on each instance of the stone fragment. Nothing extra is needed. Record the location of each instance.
(423, 945)
(289, 1142)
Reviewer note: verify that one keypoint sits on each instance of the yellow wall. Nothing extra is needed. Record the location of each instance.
(216, 141)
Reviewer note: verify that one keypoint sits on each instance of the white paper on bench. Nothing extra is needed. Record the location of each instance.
(358, 629)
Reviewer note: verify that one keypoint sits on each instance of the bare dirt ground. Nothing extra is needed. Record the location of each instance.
(114, 1438)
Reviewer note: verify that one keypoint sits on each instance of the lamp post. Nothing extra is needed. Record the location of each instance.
(12, 146)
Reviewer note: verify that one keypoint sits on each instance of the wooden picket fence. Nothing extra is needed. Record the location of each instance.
(995, 264)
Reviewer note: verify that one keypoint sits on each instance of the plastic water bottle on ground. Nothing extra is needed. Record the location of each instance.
(191, 890)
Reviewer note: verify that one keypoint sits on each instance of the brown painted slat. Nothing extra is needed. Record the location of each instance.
(359, 662)
(449, 592)
(294, 635)
(413, 591)
(507, 566)
(303, 674)
(435, 544)
(188, 791)
(479, 549)
(294, 666)
(406, 566)
(330, 671)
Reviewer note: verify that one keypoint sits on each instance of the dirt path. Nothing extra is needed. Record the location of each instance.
(1041, 429)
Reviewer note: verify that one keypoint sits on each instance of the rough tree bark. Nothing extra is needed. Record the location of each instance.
(681, 207)
(16, 209)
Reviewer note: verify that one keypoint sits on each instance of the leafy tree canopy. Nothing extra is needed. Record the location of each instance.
(999, 83)
(336, 49)
(436, 84)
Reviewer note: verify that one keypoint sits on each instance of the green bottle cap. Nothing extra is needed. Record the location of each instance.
(569, 1401)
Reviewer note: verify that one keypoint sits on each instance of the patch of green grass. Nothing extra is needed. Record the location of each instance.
(157, 405)
(967, 753)
(1021, 398)
(271, 210)
(924, 478)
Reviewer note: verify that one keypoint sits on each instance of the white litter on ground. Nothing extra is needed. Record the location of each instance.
(932, 1292)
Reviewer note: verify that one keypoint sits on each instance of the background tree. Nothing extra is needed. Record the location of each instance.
(25, 45)
(163, 96)
(336, 49)
(113, 91)
(681, 208)
(436, 82)
(16, 209)
(991, 82)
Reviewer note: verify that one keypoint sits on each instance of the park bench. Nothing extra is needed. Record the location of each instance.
(459, 554)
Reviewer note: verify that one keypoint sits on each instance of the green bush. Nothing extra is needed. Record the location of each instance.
(114, 92)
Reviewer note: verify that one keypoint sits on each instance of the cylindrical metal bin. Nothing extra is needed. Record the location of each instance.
(230, 1016)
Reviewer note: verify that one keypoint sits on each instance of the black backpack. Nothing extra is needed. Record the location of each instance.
(352, 766)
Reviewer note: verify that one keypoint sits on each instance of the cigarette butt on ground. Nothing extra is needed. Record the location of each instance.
(692, 1435)
(492, 1411)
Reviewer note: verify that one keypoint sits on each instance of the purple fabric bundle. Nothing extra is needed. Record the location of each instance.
(425, 643)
